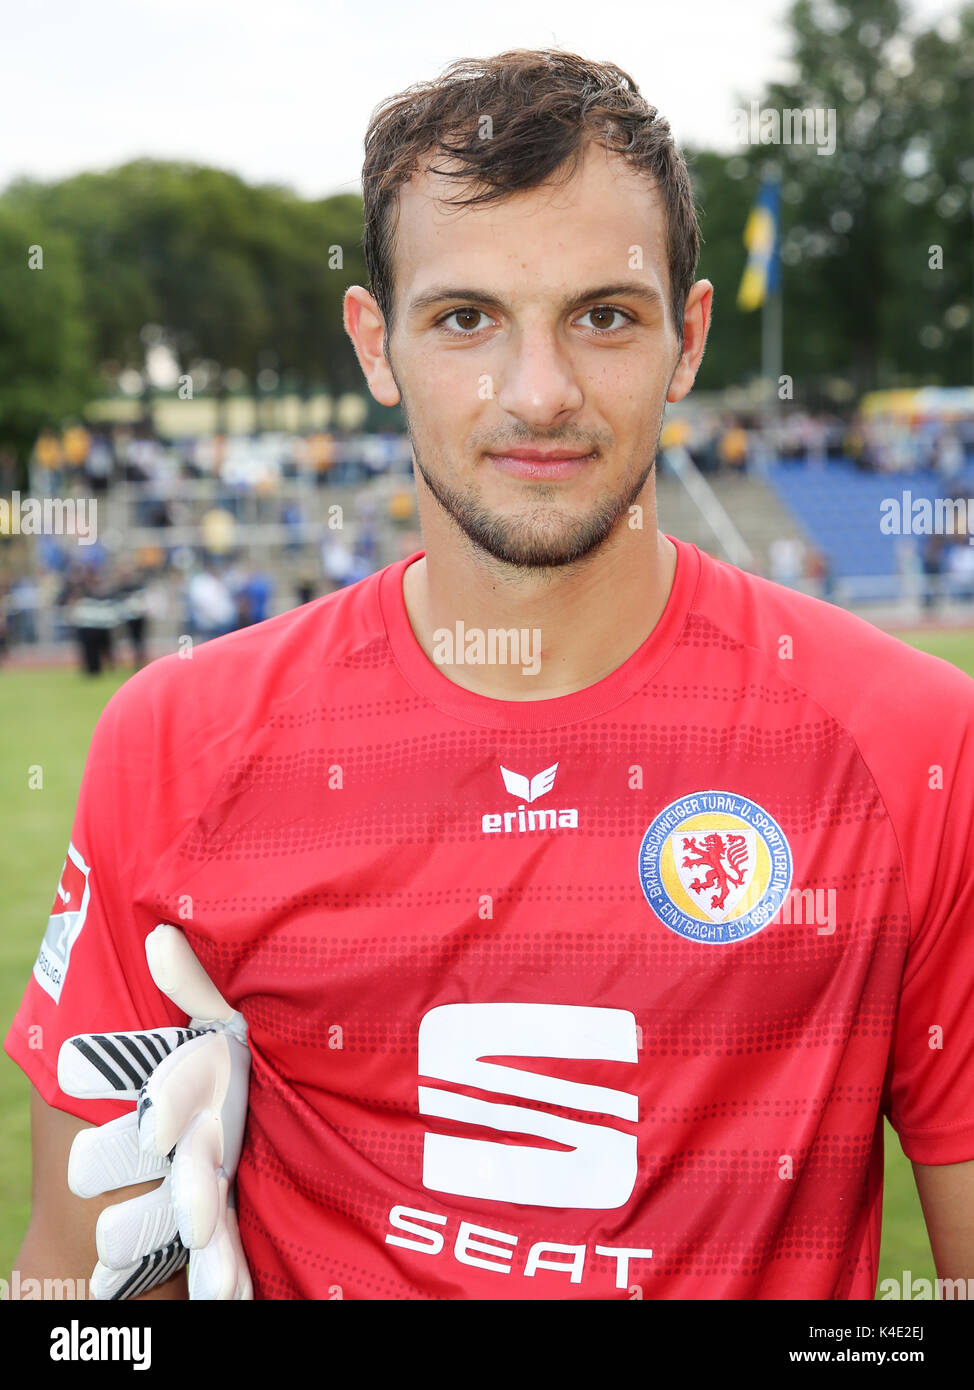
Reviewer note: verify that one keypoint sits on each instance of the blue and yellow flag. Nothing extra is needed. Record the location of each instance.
(760, 278)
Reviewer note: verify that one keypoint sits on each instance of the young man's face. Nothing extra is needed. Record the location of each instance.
(496, 347)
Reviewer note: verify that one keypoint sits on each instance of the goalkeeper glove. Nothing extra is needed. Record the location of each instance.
(190, 1089)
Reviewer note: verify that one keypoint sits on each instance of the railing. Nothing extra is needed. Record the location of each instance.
(732, 544)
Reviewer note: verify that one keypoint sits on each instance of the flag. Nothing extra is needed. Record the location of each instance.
(760, 278)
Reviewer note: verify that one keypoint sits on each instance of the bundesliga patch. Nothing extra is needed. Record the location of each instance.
(715, 867)
(64, 924)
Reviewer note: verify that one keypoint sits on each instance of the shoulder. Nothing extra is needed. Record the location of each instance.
(909, 715)
(221, 689)
(871, 682)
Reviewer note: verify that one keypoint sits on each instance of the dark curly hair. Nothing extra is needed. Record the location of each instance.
(544, 105)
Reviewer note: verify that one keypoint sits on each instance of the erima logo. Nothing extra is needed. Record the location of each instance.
(530, 791)
(522, 819)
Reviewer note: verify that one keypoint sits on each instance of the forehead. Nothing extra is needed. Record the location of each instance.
(576, 229)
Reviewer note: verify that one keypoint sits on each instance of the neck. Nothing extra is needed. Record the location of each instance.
(575, 625)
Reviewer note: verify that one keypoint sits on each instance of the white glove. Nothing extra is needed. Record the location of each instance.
(190, 1089)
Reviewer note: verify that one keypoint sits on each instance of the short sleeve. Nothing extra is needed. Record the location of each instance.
(91, 973)
(931, 1076)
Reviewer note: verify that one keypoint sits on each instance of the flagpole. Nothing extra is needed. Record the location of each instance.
(771, 341)
(772, 346)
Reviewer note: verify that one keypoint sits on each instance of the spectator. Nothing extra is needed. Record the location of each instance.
(320, 455)
(854, 445)
(960, 569)
(131, 609)
(949, 455)
(92, 614)
(785, 557)
(815, 433)
(251, 590)
(48, 456)
(732, 449)
(212, 611)
(292, 518)
(76, 443)
(819, 570)
(98, 467)
(932, 560)
(337, 561)
(219, 532)
(23, 602)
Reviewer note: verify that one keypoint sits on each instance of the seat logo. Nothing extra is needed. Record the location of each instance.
(597, 1167)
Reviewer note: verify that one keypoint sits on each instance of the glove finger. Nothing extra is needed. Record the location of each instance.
(233, 1112)
(108, 1156)
(195, 1187)
(177, 972)
(127, 1231)
(193, 1078)
(213, 1270)
(109, 1285)
(115, 1066)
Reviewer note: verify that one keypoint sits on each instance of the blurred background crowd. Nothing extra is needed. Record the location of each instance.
(202, 535)
(172, 348)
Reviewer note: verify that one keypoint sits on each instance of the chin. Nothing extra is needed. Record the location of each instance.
(541, 548)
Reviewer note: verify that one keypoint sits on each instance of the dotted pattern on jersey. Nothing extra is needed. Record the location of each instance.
(343, 886)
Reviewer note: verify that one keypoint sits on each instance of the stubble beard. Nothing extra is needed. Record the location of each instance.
(519, 543)
(542, 538)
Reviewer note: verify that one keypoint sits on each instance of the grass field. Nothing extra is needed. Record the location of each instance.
(46, 720)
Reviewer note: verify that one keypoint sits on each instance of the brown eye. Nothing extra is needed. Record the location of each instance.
(466, 318)
(605, 313)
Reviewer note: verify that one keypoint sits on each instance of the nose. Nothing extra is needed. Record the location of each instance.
(538, 381)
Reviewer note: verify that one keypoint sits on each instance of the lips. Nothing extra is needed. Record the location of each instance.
(535, 464)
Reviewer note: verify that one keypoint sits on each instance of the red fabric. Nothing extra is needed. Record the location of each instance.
(306, 799)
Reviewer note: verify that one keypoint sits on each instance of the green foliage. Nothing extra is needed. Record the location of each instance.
(228, 274)
(860, 298)
(45, 358)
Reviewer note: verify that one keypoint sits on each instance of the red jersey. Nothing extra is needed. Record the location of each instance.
(600, 996)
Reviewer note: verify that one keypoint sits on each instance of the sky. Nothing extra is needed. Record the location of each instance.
(280, 91)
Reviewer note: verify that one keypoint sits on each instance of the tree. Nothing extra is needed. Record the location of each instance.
(47, 364)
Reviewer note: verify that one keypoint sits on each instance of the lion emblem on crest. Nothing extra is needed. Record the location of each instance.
(726, 860)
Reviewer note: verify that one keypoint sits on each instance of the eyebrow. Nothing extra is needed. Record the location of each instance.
(626, 289)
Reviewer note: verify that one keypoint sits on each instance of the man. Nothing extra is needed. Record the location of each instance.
(589, 902)
(132, 602)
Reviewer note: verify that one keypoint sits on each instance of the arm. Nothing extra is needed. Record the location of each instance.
(60, 1239)
(947, 1198)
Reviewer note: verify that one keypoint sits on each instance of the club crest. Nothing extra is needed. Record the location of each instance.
(715, 867)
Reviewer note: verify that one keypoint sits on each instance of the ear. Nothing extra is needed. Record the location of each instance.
(696, 325)
(365, 326)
